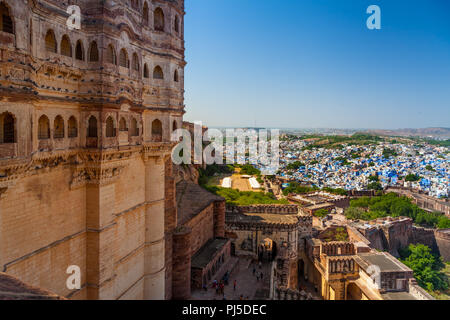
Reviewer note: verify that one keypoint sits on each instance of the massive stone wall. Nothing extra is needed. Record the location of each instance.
(83, 172)
(443, 243)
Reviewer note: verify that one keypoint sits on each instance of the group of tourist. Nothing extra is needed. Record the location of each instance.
(259, 275)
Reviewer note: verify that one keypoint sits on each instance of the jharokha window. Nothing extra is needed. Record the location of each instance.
(59, 128)
(135, 62)
(79, 51)
(158, 73)
(159, 19)
(43, 128)
(50, 42)
(123, 125)
(66, 47)
(93, 52)
(92, 128)
(111, 55)
(146, 75)
(123, 58)
(8, 129)
(174, 126)
(110, 131)
(177, 24)
(6, 23)
(134, 128)
(72, 127)
(145, 14)
(157, 131)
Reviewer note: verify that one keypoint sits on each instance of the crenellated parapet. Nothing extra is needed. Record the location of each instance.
(337, 248)
(267, 208)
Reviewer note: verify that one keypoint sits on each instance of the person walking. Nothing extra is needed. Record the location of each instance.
(261, 275)
(234, 285)
(254, 269)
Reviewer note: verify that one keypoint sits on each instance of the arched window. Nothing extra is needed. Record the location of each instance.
(43, 128)
(175, 76)
(79, 51)
(157, 131)
(66, 47)
(110, 132)
(111, 55)
(134, 128)
(159, 19)
(177, 24)
(93, 52)
(50, 42)
(135, 62)
(123, 58)
(174, 125)
(92, 129)
(158, 73)
(146, 75)
(8, 134)
(123, 124)
(72, 127)
(58, 127)
(145, 14)
(6, 23)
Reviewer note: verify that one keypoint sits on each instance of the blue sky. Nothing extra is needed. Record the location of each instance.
(314, 63)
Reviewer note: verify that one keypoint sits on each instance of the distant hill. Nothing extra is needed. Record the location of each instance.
(440, 133)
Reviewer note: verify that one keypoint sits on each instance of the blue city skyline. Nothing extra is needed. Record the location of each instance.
(314, 63)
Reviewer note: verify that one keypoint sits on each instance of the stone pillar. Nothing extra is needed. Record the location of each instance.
(154, 252)
(293, 274)
(170, 222)
(181, 275)
(100, 241)
(339, 289)
(219, 219)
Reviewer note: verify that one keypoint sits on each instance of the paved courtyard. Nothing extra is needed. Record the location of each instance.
(247, 284)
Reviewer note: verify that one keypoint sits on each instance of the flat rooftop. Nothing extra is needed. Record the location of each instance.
(206, 253)
(385, 262)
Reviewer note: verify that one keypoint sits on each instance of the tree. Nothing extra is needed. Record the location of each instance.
(321, 213)
(374, 186)
(250, 170)
(426, 267)
(355, 213)
(412, 177)
(295, 165)
(387, 153)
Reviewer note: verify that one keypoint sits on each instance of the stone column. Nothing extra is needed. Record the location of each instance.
(170, 221)
(100, 240)
(154, 252)
(181, 281)
(219, 219)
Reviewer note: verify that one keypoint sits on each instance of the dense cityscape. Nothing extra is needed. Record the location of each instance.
(364, 161)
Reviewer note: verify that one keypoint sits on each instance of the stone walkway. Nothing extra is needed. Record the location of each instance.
(247, 284)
